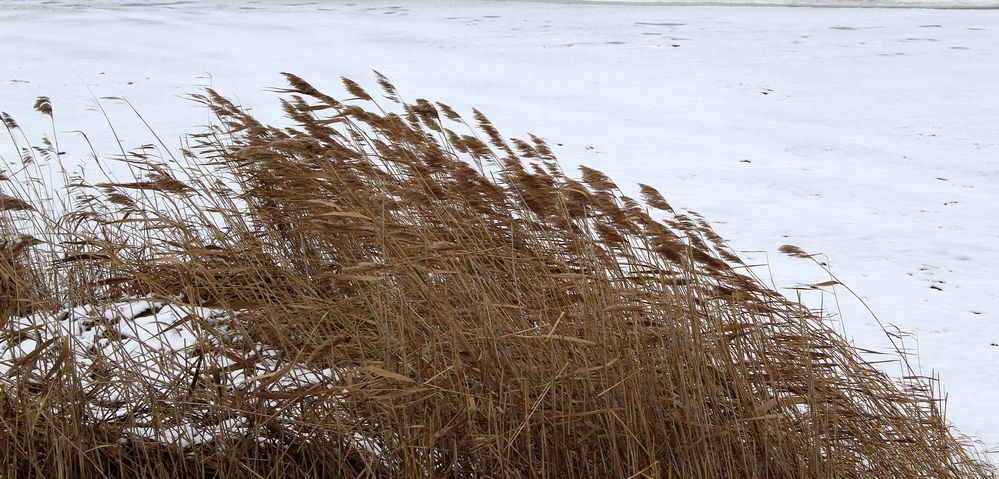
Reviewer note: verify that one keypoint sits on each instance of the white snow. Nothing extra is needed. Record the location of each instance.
(935, 4)
(870, 135)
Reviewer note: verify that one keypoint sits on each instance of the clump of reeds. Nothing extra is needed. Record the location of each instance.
(389, 289)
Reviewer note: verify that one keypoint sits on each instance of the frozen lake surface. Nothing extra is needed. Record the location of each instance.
(870, 135)
(935, 4)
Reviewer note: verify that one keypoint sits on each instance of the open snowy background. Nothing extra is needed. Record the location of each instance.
(870, 135)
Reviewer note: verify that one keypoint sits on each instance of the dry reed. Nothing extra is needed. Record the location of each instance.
(387, 290)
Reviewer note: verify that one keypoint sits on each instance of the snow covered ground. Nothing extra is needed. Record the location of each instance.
(936, 4)
(870, 135)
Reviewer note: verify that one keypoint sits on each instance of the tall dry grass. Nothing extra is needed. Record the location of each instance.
(388, 289)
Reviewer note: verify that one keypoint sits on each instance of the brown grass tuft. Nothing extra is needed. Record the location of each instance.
(368, 294)
(10, 203)
(43, 105)
(792, 250)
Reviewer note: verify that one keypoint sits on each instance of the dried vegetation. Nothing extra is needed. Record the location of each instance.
(385, 289)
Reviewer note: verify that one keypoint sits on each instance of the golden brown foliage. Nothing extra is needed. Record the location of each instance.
(486, 316)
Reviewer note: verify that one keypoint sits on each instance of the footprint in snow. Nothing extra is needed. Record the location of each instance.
(852, 28)
(660, 24)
